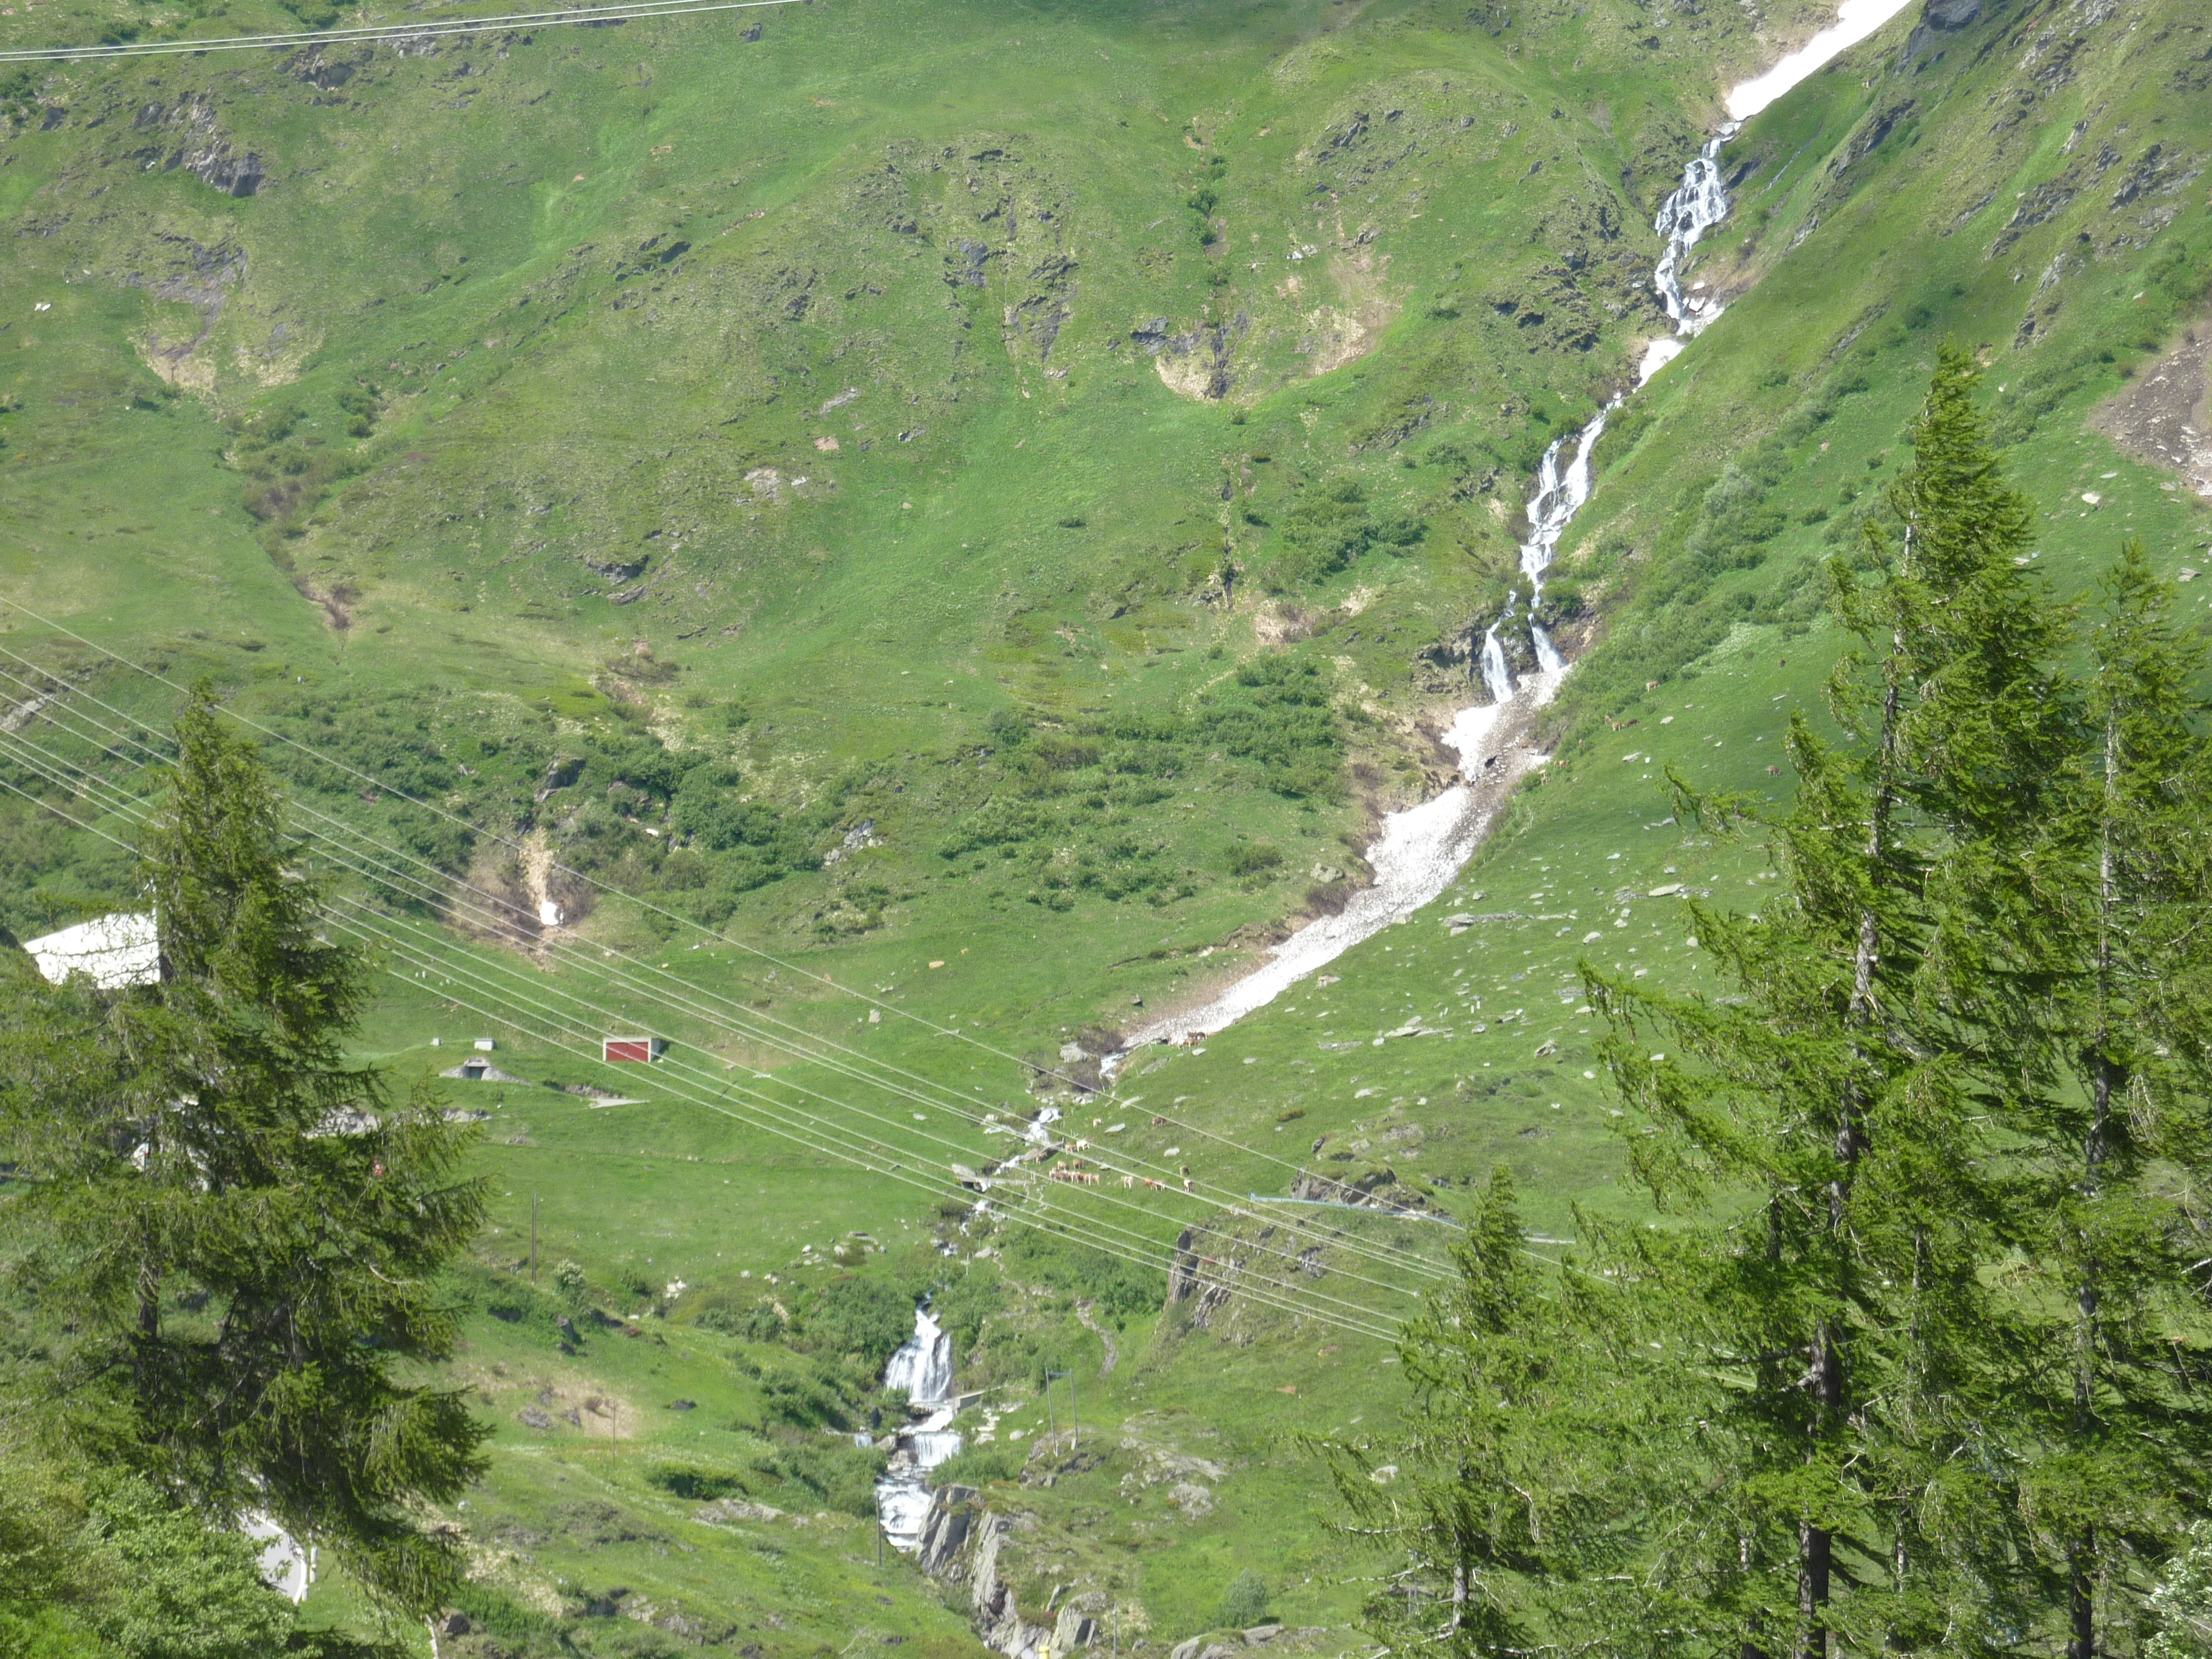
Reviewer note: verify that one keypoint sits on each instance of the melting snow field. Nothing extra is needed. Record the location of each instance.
(1415, 858)
(1856, 20)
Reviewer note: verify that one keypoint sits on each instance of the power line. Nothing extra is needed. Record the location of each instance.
(956, 1106)
(508, 1011)
(619, 11)
(1283, 1297)
(1384, 1254)
(660, 910)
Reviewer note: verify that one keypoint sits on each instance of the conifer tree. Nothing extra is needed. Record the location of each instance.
(2123, 1343)
(240, 1228)
(1856, 1345)
(1497, 1509)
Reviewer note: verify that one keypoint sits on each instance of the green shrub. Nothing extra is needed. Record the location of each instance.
(1250, 858)
(574, 1289)
(698, 1483)
(869, 1318)
(978, 1465)
(1118, 1288)
(1244, 1603)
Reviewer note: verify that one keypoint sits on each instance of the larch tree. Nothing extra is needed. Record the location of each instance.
(240, 1231)
(1825, 1132)
(2115, 1293)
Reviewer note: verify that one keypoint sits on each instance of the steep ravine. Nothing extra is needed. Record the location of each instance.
(1418, 853)
(1422, 849)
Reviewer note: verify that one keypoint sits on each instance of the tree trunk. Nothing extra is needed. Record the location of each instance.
(1815, 1545)
(2081, 1602)
(1813, 1549)
(2081, 1594)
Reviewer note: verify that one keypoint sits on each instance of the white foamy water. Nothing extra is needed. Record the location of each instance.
(1694, 207)
(923, 1367)
(1855, 21)
(1422, 848)
(1418, 853)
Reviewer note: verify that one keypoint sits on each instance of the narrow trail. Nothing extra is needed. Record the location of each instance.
(1113, 1353)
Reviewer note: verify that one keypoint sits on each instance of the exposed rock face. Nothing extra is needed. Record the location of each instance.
(203, 278)
(1074, 1630)
(945, 1531)
(199, 147)
(997, 1614)
(1359, 1189)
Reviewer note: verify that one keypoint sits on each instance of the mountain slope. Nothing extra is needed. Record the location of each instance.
(1122, 495)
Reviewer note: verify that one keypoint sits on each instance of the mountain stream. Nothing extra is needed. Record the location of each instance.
(923, 1367)
(1422, 849)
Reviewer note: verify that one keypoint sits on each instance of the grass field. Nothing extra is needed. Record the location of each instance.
(944, 440)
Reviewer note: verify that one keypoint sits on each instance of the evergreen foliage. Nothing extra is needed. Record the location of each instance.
(1916, 1362)
(1530, 1439)
(103, 1566)
(2118, 1324)
(238, 1231)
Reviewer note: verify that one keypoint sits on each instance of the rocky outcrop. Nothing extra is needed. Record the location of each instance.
(196, 145)
(961, 1540)
(945, 1529)
(998, 1615)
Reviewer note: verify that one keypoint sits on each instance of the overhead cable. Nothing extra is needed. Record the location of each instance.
(620, 11)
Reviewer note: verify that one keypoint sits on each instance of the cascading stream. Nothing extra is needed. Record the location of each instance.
(923, 1367)
(1695, 207)
(1560, 496)
(1424, 848)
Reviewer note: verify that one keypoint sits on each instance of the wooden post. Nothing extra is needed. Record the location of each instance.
(1074, 1422)
(533, 1238)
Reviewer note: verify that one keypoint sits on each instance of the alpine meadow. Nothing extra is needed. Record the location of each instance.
(1355, 827)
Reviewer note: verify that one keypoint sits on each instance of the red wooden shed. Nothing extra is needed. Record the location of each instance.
(632, 1050)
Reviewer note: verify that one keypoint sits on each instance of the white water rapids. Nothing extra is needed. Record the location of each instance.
(1696, 206)
(923, 1367)
(1422, 849)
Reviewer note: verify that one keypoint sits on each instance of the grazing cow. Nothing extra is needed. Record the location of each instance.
(1129, 1181)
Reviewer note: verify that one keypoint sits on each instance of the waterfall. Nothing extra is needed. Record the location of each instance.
(1422, 848)
(1495, 674)
(923, 1367)
(1695, 207)
(1560, 496)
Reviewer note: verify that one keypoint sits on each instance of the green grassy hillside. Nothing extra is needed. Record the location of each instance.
(1025, 454)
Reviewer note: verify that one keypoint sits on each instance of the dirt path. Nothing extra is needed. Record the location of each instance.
(1113, 1353)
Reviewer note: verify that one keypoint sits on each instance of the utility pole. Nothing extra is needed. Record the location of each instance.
(1075, 1423)
(533, 1238)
